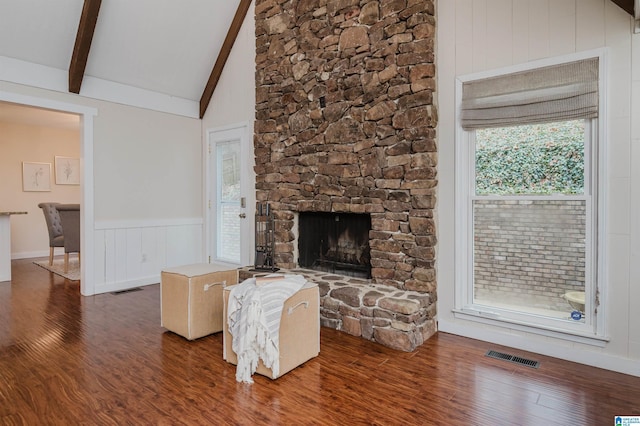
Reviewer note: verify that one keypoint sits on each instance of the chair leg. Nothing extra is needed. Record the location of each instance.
(50, 256)
(78, 259)
(66, 263)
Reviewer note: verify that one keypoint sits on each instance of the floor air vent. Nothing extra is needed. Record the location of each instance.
(129, 290)
(513, 358)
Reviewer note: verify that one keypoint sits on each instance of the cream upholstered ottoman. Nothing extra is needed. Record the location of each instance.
(191, 298)
(299, 331)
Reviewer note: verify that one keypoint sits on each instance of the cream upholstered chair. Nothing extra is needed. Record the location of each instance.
(54, 225)
(70, 217)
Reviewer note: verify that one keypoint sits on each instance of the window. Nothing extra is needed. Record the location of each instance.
(529, 169)
(228, 201)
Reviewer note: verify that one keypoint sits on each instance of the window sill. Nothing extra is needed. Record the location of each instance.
(498, 320)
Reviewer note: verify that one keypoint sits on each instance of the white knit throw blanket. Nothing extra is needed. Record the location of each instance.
(253, 317)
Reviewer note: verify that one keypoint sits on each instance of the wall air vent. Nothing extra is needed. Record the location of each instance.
(512, 358)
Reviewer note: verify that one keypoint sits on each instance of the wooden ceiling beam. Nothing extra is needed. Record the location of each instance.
(626, 5)
(229, 40)
(84, 36)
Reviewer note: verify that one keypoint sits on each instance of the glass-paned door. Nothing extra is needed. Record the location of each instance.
(229, 239)
(228, 201)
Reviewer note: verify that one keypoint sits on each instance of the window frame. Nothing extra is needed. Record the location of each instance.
(593, 330)
(220, 202)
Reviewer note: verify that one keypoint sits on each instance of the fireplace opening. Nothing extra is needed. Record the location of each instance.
(335, 242)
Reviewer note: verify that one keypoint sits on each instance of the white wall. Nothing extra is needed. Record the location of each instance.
(147, 164)
(148, 203)
(234, 98)
(146, 180)
(232, 104)
(478, 35)
(20, 143)
(148, 169)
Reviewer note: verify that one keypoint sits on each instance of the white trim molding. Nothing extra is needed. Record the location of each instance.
(543, 345)
(86, 174)
(241, 131)
(126, 224)
(44, 77)
(593, 330)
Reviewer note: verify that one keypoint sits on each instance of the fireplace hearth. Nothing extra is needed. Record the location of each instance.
(335, 242)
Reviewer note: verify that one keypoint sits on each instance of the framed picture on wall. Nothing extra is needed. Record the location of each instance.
(67, 171)
(36, 176)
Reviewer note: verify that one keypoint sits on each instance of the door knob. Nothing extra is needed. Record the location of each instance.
(242, 215)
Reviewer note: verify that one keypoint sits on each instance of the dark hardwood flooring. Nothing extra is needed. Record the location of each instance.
(105, 360)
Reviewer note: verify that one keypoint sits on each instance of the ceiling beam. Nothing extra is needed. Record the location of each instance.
(81, 49)
(232, 34)
(626, 5)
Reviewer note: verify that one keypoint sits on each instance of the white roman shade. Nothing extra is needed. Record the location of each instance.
(556, 93)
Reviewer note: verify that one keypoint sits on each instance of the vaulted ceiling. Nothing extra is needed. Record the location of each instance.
(169, 51)
(173, 48)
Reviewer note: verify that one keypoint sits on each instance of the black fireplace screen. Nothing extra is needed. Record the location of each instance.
(335, 242)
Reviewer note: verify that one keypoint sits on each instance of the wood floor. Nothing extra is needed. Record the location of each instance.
(105, 360)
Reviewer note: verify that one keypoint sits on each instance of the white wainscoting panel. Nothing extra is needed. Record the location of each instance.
(130, 254)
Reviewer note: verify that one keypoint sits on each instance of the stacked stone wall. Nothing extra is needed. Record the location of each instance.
(345, 122)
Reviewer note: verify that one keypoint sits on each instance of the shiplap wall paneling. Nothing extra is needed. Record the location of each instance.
(562, 27)
(464, 36)
(499, 18)
(184, 245)
(590, 27)
(99, 262)
(479, 35)
(135, 255)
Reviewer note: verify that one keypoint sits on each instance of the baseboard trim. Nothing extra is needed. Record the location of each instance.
(571, 353)
(126, 285)
(59, 251)
(154, 223)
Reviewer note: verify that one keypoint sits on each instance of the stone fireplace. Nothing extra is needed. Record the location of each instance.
(345, 124)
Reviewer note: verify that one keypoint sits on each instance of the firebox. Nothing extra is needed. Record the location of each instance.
(335, 242)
